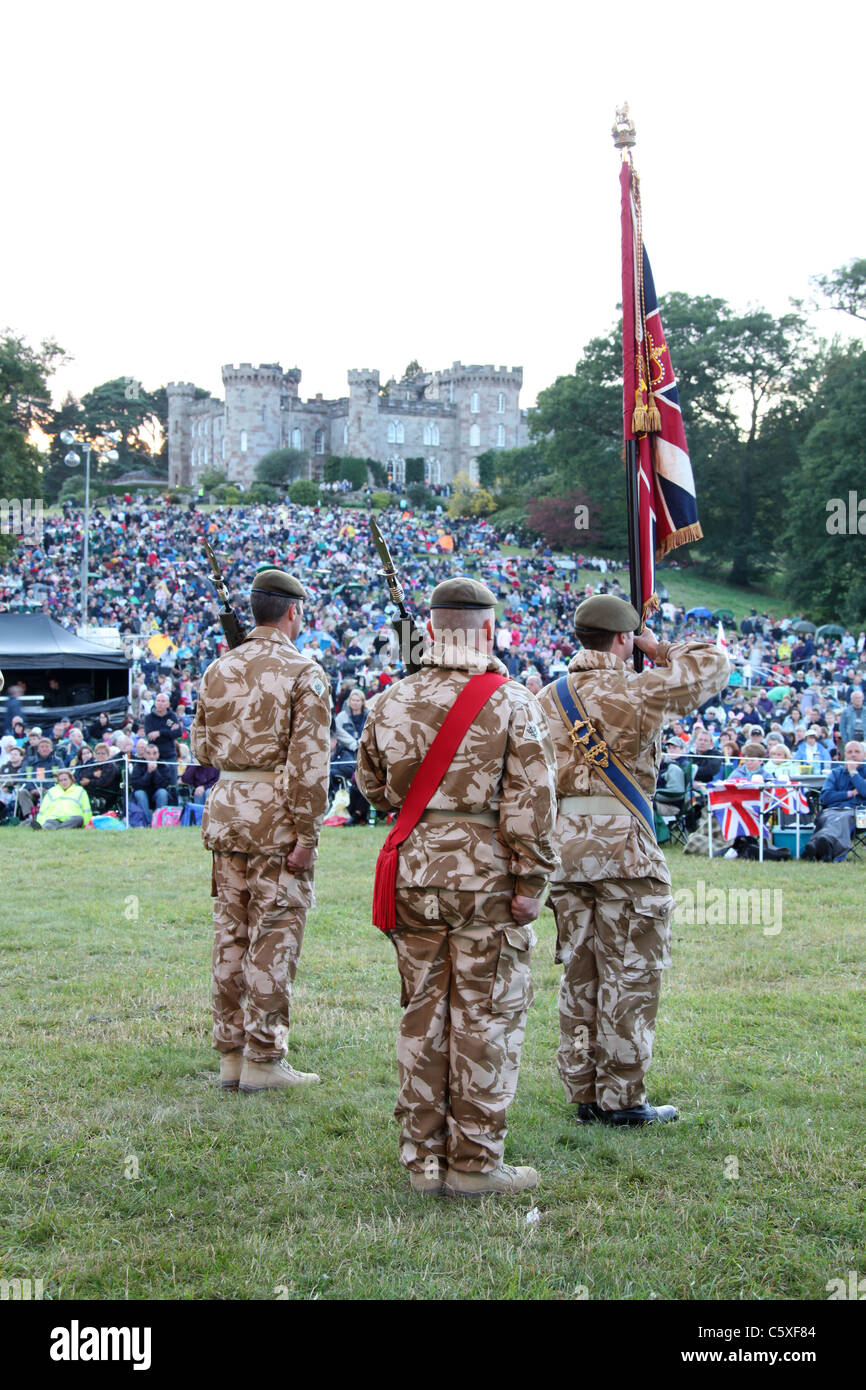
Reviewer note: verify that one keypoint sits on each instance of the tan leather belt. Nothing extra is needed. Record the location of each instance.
(250, 774)
(593, 806)
(481, 817)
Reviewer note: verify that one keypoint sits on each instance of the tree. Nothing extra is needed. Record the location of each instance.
(280, 467)
(122, 404)
(845, 288)
(565, 522)
(212, 478)
(824, 570)
(25, 403)
(353, 470)
(415, 470)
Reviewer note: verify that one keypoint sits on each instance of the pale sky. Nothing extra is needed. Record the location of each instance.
(336, 185)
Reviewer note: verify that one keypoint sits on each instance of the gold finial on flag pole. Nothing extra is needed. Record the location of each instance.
(623, 130)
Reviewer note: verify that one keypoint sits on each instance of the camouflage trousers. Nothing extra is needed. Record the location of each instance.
(466, 986)
(613, 940)
(259, 912)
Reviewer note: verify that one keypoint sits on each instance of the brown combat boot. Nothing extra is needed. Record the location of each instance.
(502, 1179)
(230, 1069)
(270, 1076)
(430, 1182)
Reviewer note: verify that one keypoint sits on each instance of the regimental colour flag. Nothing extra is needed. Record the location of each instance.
(667, 506)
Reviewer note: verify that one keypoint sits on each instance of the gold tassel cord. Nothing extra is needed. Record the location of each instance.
(649, 414)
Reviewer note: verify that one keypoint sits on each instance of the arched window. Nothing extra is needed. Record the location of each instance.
(224, 448)
(205, 455)
(432, 471)
(428, 433)
(500, 437)
(500, 403)
(434, 430)
(243, 441)
(345, 431)
(474, 436)
(320, 441)
(396, 432)
(297, 439)
(397, 468)
(474, 403)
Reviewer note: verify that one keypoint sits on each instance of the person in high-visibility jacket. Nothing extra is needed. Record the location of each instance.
(65, 806)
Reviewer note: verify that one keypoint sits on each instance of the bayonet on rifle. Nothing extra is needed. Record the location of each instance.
(412, 639)
(229, 620)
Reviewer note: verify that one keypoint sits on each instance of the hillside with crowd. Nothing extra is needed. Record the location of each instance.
(153, 586)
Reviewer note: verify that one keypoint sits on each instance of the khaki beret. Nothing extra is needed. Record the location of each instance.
(462, 593)
(608, 612)
(273, 581)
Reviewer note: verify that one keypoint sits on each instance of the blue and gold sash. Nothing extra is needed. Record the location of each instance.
(589, 744)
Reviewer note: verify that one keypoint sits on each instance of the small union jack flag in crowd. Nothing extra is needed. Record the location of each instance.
(786, 798)
(737, 808)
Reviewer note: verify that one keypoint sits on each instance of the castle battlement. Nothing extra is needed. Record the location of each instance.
(267, 373)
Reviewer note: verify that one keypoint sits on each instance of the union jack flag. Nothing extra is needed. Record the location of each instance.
(736, 808)
(667, 505)
(786, 798)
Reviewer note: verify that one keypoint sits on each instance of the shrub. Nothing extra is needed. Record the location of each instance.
(304, 493)
(380, 500)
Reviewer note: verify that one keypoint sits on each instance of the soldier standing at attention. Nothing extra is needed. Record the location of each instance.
(611, 897)
(263, 719)
(467, 886)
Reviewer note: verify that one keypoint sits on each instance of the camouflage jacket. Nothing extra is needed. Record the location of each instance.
(628, 709)
(505, 764)
(264, 705)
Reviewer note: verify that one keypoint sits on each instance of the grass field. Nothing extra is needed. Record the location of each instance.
(128, 1173)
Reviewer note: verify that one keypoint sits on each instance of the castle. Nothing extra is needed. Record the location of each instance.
(447, 418)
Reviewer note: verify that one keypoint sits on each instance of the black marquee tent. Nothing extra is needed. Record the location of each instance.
(34, 649)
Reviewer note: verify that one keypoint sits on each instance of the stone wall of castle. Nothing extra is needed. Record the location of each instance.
(447, 418)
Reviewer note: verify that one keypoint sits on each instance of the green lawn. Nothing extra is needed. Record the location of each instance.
(108, 1072)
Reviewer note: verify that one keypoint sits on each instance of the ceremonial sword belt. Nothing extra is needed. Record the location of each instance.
(480, 817)
(591, 747)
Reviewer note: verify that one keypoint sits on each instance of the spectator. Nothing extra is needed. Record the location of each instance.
(149, 782)
(13, 710)
(199, 779)
(102, 781)
(707, 763)
(852, 724)
(779, 764)
(64, 806)
(846, 784)
(162, 729)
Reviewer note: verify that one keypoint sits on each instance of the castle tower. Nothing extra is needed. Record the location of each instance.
(181, 395)
(252, 417)
(487, 402)
(363, 431)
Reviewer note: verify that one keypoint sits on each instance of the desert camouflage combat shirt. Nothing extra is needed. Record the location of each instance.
(264, 705)
(505, 764)
(628, 709)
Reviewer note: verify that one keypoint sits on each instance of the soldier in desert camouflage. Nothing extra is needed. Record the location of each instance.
(611, 897)
(468, 887)
(263, 719)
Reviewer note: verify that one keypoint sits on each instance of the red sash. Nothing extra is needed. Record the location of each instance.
(474, 695)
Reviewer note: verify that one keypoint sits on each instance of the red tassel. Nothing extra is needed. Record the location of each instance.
(385, 887)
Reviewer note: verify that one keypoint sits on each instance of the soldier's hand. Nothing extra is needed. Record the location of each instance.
(524, 910)
(301, 859)
(647, 642)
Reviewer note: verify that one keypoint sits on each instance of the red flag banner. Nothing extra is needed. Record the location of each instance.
(666, 502)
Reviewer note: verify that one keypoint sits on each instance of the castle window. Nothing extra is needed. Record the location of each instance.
(500, 437)
(243, 441)
(431, 433)
(297, 439)
(500, 403)
(264, 415)
(205, 455)
(320, 441)
(224, 448)
(474, 436)
(432, 471)
(474, 403)
(434, 430)
(451, 393)
(345, 431)
(396, 433)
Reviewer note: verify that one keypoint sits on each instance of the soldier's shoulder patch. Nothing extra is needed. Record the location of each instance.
(318, 687)
(533, 731)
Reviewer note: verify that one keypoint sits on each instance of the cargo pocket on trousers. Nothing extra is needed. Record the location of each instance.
(648, 948)
(512, 985)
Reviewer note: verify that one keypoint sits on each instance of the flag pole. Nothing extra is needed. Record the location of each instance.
(624, 138)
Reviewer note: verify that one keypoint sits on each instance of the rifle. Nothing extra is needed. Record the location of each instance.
(411, 638)
(229, 620)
